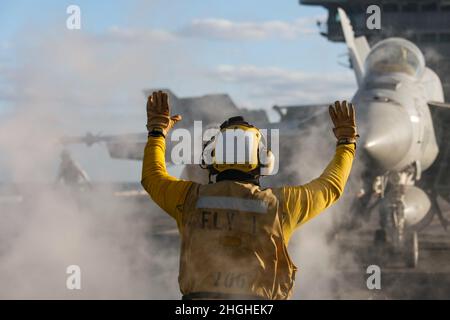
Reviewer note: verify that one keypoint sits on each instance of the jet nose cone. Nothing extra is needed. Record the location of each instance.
(388, 134)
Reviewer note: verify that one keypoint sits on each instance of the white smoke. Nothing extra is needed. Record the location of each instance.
(318, 257)
(52, 231)
(46, 227)
(63, 84)
(67, 83)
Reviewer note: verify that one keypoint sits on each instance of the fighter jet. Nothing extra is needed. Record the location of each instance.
(402, 118)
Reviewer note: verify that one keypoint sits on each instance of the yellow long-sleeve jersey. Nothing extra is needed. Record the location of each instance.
(299, 203)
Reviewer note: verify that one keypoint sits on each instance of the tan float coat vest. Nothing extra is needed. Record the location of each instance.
(232, 242)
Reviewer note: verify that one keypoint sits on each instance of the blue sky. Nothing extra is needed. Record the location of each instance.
(307, 52)
(261, 53)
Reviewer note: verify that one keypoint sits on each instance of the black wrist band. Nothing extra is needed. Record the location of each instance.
(156, 133)
(346, 141)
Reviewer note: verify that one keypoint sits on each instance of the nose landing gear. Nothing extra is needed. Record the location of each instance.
(397, 237)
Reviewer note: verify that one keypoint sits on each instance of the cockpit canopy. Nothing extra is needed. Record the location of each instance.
(395, 55)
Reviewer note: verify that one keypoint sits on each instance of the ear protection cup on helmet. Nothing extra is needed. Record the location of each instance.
(266, 158)
(267, 169)
(207, 157)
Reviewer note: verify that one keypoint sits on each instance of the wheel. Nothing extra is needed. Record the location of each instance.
(411, 250)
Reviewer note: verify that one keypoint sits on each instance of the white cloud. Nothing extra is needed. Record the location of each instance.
(273, 85)
(120, 34)
(223, 29)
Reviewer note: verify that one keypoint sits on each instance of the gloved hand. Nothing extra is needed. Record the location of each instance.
(158, 113)
(343, 117)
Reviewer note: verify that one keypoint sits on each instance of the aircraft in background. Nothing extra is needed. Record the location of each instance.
(204, 108)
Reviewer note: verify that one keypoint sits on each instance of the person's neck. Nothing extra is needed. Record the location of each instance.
(236, 175)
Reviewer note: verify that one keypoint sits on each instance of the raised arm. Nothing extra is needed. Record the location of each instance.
(168, 192)
(302, 203)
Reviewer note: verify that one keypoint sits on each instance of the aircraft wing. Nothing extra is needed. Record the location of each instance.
(126, 150)
(436, 105)
(300, 119)
(358, 48)
(121, 146)
(301, 114)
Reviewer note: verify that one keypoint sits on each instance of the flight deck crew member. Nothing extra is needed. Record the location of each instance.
(234, 234)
